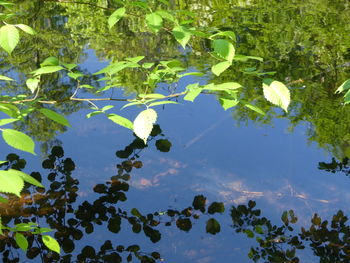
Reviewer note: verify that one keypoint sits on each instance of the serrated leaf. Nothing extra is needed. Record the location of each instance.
(277, 93)
(10, 183)
(228, 103)
(224, 49)
(7, 121)
(220, 67)
(27, 178)
(51, 243)
(143, 123)
(26, 29)
(55, 117)
(5, 78)
(9, 38)
(116, 16)
(182, 35)
(32, 84)
(18, 140)
(162, 103)
(21, 241)
(121, 121)
(344, 86)
(193, 90)
(50, 61)
(47, 70)
(154, 22)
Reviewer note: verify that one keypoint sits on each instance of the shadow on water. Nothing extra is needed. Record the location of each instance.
(75, 220)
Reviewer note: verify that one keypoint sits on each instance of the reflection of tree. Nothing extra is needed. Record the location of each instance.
(334, 166)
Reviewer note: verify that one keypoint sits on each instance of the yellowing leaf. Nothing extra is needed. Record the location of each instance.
(143, 124)
(277, 93)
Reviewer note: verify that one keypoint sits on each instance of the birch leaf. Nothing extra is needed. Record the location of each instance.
(143, 124)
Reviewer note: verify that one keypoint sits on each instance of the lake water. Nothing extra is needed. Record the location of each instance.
(231, 156)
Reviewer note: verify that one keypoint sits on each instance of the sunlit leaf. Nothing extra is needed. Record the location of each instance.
(135, 59)
(277, 93)
(246, 58)
(120, 120)
(162, 103)
(228, 86)
(131, 104)
(27, 178)
(10, 183)
(151, 96)
(154, 22)
(182, 35)
(165, 15)
(7, 121)
(26, 29)
(116, 16)
(224, 49)
(21, 241)
(75, 75)
(220, 67)
(47, 70)
(228, 103)
(18, 140)
(51, 243)
(55, 117)
(254, 108)
(32, 84)
(344, 86)
(9, 38)
(9, 109)
(197, 74)
(50, 61)
(69, 66)
(143, 123)
(193, 90)
(229, 34)
(5, 78)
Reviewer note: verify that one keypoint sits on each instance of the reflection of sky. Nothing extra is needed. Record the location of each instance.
(210, 156)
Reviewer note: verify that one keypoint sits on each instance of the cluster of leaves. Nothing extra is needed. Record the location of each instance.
(328, 241)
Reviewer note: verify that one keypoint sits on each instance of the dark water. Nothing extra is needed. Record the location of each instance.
(234, 157)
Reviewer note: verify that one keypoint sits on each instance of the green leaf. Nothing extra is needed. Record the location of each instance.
(154, 22)
(246, 58)
(86, 86)
(229, 34)
(7, 121)
(21, 241)
(32, 84)
(3, 200)
(10, 183)
(220, 67)
(5, 78)
(26, 29)
(131, 104)
(151, 96)
(224, 49)
(165, 15)
(69, 66)
(212, 226)
(254, 108)
(147, 65)
(228, 86)
(135, 59)
(162, 103)
(50, 61)
(120, 120)
(9, 38)
(55, 117)
(344, 86)
(277, 93)
(47, 70)
(228, 103)
(193, 90)
(27, 178)
(9, 109)
(249, 233)
(182, 35)
(116, 16)
(18, 140)
(347, 97)
(51, 243)
(197, 74)
(143, 123)
(75, 75)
